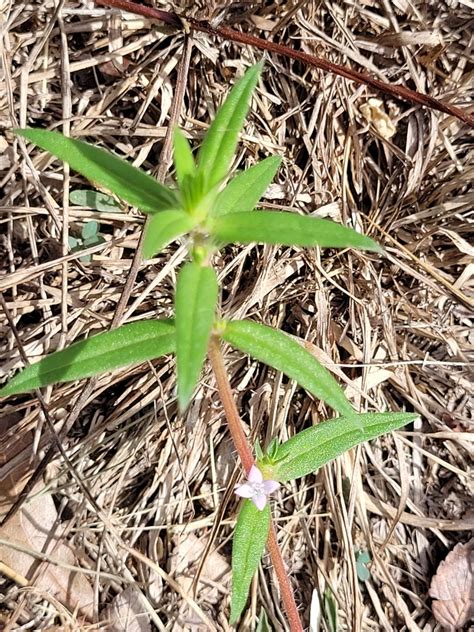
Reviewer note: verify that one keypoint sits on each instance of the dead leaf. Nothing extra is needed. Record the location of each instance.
(264, 24)
(375, 114)
(213, 581)
(184, 561)
(155, 552)
(32, 528)
(127, 613)
(453, 587)
(411, 38)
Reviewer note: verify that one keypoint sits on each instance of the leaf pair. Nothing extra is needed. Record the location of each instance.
(219, 217)
(89, 237)
(196, 298)
(303, 454)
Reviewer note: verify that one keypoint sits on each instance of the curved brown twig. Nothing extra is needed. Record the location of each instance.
(398, 92)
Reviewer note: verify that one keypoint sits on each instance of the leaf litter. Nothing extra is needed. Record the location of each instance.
(452, 588)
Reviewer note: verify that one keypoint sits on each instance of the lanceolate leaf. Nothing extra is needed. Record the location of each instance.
(195, 305)
(129, 344)
(250, 536)
(284, 354)
(287, 229)
(219, 144)
(310, 449)
(245, 190)
(163, 228)
(182, 157)
(105, 169)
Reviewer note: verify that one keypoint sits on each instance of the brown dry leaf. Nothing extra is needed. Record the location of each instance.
(126, 613)
(213, 580)
(187, 555)
(34, 528)
(453, 587)
(411, 38)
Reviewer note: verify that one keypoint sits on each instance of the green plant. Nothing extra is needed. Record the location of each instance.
(214, 209)
(90, 230)
(89, 237)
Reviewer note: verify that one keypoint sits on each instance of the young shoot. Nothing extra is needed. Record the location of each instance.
(213, 208)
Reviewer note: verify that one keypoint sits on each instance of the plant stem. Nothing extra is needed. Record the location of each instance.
(233, 418)
(287, 594)
(246, 457)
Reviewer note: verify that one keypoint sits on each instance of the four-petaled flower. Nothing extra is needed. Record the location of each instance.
(256, 488)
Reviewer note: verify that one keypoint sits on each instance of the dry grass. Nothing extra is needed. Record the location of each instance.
(395, 329)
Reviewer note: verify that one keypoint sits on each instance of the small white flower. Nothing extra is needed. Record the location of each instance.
(256, 488)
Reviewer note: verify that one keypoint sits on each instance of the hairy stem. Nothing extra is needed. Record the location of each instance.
(246, 457)
(284, 581)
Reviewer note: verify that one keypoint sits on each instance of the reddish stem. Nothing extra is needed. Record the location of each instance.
(233, 419)
(287, 594)
(245, 454)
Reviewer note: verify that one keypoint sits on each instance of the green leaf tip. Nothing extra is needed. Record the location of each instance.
(244, 191)
(248, 545)
(182, 157)
(220, 142)
(280, 351)
(105, 169)
(312, 448)
(288, 229)
(129, 344)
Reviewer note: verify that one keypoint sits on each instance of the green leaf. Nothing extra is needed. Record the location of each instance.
(362, 559)
(182, 157)
(195, 305)
(94, 199)
(163, 228)
(90, 229)
(105, 169)
(287, 229)
(330, 610)
(263, 625)
(245, 190)
(311, 448)
(272, 449)
(93, 241)
(258, 451)
(250, 536)
(130, 344)
(73, 242)
(220, 142)
(283, 353)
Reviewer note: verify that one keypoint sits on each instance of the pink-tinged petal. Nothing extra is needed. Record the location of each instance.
(259, 500)
(270, 486)
(254, 475)
(245, 490)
